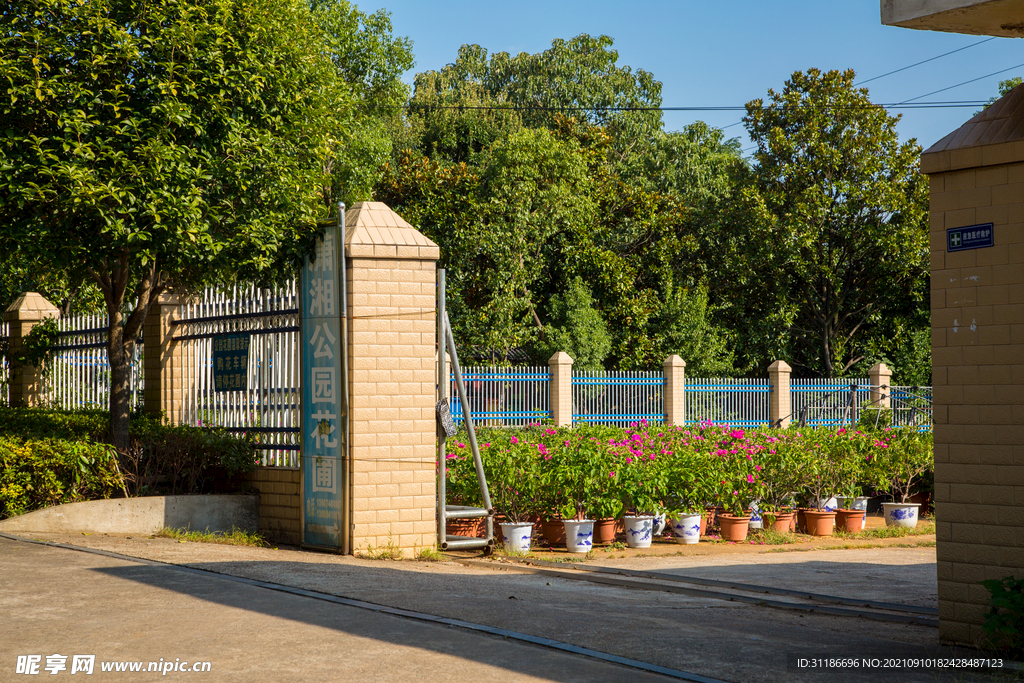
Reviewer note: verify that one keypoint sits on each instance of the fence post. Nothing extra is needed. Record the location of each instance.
(561, 389)
(779, 400)
(880, 377)
(674, 368)
(162, 366)
(26, 382)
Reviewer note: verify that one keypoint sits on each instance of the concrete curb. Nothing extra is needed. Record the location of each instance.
(145, 515)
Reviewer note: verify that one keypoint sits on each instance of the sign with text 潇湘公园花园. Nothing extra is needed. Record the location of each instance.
(231, 362)
(970, 237)
(323, 409)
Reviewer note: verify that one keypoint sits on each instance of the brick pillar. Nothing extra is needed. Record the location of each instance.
(779, 400)
(392, 381)
(561, 389)
(880, 376)
(976, 185)
(25, 382)
(674, 368)
(162, 364)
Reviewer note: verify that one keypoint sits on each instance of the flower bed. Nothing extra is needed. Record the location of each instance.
(603, 472)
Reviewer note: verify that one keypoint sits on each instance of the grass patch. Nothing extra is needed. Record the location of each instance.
(922, 529)
(430, 554)
(233, 537)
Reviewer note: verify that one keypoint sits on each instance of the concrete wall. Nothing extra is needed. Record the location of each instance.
(977, 300)
(145, 515)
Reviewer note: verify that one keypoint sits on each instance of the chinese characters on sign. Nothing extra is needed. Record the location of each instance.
(323, 406)
(971, 237)
(231, 362)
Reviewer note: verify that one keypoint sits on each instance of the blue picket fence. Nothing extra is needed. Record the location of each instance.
(520, 396)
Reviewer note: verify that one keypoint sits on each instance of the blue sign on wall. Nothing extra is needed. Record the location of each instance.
(971, 237)
(323, 409)
(231, 362)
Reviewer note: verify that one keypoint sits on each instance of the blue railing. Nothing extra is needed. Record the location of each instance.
(618, 397)
(504, 396)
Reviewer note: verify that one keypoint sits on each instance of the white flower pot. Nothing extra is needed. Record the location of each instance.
(687, 529)
(755, 518)
(900, 514)
(639, 531)
(858, 503)
(579, 535)
(517, 536)
(660, 522)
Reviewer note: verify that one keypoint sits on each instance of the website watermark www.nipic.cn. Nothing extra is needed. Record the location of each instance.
(33, 665)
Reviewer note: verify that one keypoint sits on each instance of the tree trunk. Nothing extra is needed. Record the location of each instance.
(120, 401)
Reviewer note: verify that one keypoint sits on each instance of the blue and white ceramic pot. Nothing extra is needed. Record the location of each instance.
(755, 517)
(517, 536)
(686, 529)
(579, 535)
(900, 514)
(639, 531)
(660, 522)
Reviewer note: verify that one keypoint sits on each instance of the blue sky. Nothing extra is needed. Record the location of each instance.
(725, 53)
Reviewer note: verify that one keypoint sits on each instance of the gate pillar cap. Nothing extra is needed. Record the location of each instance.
(31, 307)
(373, 230)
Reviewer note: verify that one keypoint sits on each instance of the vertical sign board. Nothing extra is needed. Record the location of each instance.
(323, 409)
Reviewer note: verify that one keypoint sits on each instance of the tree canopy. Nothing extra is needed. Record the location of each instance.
(160, 145)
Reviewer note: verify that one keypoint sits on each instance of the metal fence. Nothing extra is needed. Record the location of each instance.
(823, 402)
(504, 397)
(268, 408)
(741, 402)
(618, 397)
(79, 372)
(911, 406)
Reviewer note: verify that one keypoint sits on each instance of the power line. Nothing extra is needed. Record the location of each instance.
(953, 104)
(930, 59)
(934, 92)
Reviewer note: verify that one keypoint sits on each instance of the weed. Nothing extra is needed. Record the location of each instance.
(389, 551)
(922, 529)
(234, 537)
(616, 545)
(430, 554)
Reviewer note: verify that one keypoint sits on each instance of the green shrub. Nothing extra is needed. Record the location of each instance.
(42, 423)
(38, 473)
(1004, 622)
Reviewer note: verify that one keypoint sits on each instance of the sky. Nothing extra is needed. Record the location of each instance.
(726, 53)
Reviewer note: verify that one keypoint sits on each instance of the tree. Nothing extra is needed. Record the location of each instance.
(1004, 88)
(844, 243)
(158, 145)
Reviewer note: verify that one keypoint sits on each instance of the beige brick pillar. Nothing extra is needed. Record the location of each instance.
(674, 368)
(560, 399)
(393, 379)
(27, 311)
(976, 186)
(780, 398)
(162, 362)
(880, 376)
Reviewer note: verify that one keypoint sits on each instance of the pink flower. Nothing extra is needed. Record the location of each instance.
(735, 493)
(612, 473)
(515, 440)
(461, 445)
(750, 479)
(757, 468)
(737, 433)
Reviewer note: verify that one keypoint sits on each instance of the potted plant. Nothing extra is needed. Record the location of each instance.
(740, 484)
(821, 466)
(781, 477)
(691, 476)
(898, 460)
(512, 473)
(849, 473)
(576, 471)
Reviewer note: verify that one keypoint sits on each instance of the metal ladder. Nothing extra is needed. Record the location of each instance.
(446, 512)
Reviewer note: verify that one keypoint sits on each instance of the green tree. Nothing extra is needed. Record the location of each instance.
(158, 145)
(844, 243)
(1004, 88)
(576, 327)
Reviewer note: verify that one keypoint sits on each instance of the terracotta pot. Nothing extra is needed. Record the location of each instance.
(703, 523)
(849, 520)
(712, 518)
(783, 522)
(554, 532)
(820, 522)
(801, 521)
(604, 530)
(734, 528)
(792, 522)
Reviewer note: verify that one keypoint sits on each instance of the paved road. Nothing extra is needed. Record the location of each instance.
(70, 602)
(56, 601)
